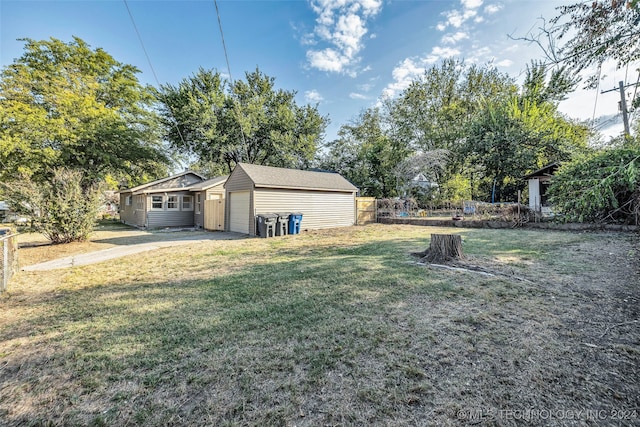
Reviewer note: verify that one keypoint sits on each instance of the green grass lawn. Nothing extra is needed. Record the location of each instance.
(336, 327)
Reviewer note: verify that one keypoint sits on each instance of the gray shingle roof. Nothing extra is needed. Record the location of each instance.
(160, 181)
(209, 183)
(272, 177)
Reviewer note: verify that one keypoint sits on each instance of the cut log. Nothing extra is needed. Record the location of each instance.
(443, 248)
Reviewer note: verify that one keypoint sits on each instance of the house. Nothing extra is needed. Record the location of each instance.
(174, 201)
(4, 210)
(538, 182)
(422, 181)
(325, 199)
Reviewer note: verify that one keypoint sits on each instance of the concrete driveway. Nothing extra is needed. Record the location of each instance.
(124, 250)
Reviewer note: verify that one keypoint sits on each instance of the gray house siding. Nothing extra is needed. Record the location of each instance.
(160, 219)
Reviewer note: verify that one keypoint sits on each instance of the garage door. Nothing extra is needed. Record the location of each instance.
(239, 212)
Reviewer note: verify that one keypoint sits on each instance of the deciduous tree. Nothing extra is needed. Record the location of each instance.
(245, 121)
(598, 30)
(65, 104)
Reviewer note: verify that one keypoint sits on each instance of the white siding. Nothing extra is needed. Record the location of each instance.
(320, 209)
(534, 194)
(239, 211)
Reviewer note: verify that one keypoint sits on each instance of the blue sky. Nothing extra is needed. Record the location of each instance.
(340, 54)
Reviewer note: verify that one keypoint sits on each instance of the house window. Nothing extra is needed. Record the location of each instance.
(128, 200)
(172, 203)
(198, 204)
(156, 202)
(187, 203)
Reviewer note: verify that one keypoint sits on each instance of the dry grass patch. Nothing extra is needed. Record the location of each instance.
(332, 327)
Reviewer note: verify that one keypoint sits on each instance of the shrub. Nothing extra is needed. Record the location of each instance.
(64, 208)
(600, 187)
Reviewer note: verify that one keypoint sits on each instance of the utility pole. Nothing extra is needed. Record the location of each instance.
(623, 104)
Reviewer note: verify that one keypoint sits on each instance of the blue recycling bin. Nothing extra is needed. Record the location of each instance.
(294, 223)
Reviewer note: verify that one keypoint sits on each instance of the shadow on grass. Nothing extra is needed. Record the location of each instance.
(283, 321)
(318, 330)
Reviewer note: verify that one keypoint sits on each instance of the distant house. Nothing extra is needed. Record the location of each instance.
(325, 199)
(538, 183)
(174, 201)
(4, 210)
(7, 215)
(422, 181)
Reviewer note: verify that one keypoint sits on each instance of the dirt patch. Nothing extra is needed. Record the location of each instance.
(558, 346)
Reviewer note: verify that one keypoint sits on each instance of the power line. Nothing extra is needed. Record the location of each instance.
(595, 104)
(153, 71)
(226, 57)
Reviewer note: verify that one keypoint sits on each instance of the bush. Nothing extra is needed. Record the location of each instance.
(64, 208)
(600, 187)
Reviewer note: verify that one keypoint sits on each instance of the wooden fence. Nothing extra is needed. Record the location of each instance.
(214, 215)
(366, 210)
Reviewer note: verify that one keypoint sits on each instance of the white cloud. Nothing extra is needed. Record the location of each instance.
(490, 9)
(471, 4)
(412, 68)
(403, 74)
(504, 63)
(342, 25)
(457, 17)
(366, 87)
(438, 53)
(327, 60)
(512, 48)
(480, 55)
(455, 37)
(313, 96)
(354, 95)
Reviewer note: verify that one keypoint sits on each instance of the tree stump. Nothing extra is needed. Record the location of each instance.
(443, 247)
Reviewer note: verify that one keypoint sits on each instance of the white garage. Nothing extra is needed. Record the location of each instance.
(239, 205)
(325, 199)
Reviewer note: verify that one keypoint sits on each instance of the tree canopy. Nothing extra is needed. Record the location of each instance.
(249, 120)
(64, 104)
(597, 30)
(524, 132)
(468, 128)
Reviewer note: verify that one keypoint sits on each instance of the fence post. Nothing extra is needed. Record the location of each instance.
(5, 264)
(9, 259)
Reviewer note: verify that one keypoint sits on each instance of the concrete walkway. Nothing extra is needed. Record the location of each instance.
(125, 250)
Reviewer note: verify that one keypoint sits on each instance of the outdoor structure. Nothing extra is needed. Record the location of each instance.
(174, 201)
(538, 183)
(325, 199)
(4, 211)
(422, 181)
(209, 198)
